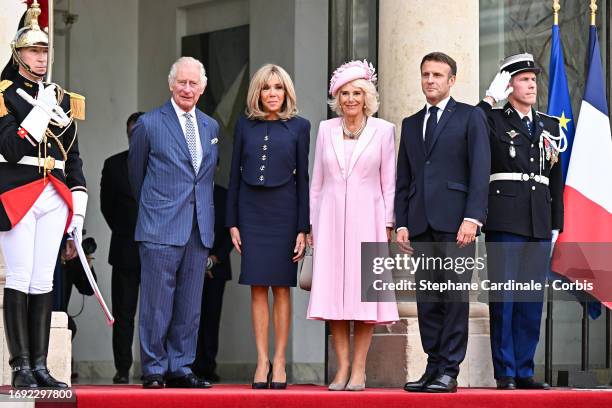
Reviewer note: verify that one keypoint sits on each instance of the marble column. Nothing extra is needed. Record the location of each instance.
(409, 29)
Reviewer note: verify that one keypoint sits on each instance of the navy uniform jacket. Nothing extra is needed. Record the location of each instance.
(270, 160)
(441, 187)
(14, 145)
(525, 208)
(120, 210)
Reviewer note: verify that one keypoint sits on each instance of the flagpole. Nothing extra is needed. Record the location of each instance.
(548, 345)
(585, 312)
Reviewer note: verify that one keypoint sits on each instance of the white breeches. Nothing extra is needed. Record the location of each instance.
(30, 249)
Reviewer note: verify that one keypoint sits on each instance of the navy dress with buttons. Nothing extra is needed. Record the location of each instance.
(268, 197)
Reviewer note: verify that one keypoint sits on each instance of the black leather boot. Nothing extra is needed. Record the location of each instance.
(16, 331)
(39, 320)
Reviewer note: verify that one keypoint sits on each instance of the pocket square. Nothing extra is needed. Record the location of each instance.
(214, 141)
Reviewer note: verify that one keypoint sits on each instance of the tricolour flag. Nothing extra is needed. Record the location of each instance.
(583, 251)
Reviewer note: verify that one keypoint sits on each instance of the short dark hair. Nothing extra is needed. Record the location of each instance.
(133, 118)
(441, 57)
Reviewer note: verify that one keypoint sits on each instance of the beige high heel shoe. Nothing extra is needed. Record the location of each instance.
(356, 387)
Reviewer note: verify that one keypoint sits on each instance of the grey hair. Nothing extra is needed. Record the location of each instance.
(371, 102)
(186, 60)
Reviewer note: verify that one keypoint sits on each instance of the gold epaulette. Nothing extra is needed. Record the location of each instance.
(77, 105)
(3, 87)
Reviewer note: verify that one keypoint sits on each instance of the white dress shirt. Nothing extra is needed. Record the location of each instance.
(441, 106)
(180, 113)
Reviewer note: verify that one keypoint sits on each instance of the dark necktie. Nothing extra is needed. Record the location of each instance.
(430, 127)
(528, 125)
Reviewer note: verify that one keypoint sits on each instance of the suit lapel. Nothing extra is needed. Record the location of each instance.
(205, 140)
(363, 142)
(174, 126)
(419, 130)
(446, 115)
(538, 125)
(338, 144)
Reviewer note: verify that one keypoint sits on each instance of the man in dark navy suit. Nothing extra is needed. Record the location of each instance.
(218, 272)
(119, 209)
(440, 201)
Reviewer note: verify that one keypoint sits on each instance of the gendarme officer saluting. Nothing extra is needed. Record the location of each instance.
(525, 213)
(42, 195)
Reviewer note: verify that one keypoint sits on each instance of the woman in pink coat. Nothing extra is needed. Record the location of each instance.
(351, 201)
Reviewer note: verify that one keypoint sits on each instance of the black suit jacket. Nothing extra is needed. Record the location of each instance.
(120, 211)
(222, 246)
(525, 208)
(441, 187)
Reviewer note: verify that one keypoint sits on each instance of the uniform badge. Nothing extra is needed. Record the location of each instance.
(547, 148)
(513, 133)
(512, 152)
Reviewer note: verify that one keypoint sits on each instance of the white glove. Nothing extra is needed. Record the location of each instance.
(76, 227)
(37, 121)
(555, 235)
(499, 89)
(79, 207)
(47, 95)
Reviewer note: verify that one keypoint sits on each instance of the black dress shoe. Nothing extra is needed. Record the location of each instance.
(121, 378)
(528, 383)
(153, 382)
(278, 385)
(264, 385)
(420, 384)
(442, 383)
(211, 377)
(187, 381)
(506, 383)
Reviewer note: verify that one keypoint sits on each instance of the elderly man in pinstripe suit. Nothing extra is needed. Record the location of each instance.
(171, 161)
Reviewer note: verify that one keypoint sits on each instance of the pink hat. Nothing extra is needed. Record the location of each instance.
(351, 71)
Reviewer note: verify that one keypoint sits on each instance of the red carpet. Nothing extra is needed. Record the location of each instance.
(309, 396)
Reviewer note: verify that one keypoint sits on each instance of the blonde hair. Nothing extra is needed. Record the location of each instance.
(254, 109)
(370, 106)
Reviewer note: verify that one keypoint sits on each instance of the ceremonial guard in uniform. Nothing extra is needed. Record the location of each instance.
(525, 213)
(42, 195)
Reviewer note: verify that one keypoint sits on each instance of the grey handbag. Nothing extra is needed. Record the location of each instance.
(305, 274)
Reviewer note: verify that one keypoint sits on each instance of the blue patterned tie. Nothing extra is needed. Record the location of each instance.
(528, 125)
(190, 136)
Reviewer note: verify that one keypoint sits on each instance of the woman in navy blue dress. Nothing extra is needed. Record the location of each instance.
(267, 209)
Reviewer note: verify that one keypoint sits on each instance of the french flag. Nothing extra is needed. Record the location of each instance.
(583, 251)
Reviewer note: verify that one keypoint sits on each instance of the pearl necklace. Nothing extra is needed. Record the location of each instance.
(355, 134)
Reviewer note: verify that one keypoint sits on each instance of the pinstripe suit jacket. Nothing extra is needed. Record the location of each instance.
(163, 180)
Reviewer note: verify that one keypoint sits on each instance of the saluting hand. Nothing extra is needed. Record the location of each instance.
(235, 234)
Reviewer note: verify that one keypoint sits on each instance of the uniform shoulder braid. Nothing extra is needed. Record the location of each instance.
(4, 85)
(77, 105)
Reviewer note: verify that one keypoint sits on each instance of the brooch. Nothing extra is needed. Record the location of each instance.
(513, 133)
(214, 141)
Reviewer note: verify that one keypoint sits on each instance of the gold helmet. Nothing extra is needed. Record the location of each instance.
(30, 35)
